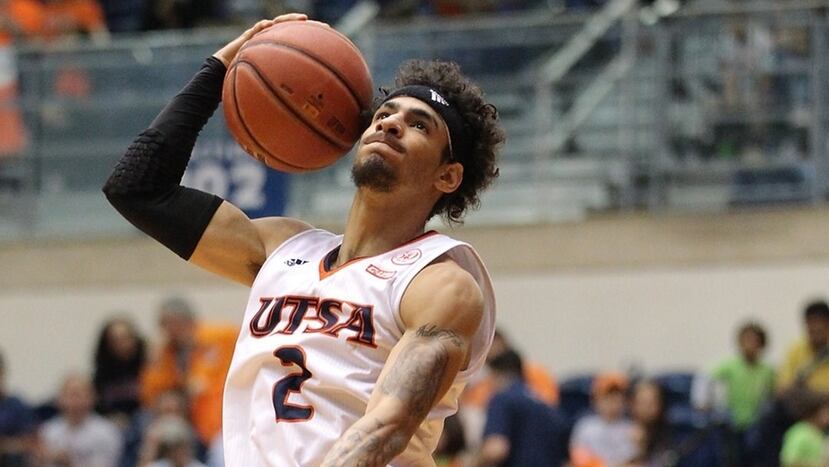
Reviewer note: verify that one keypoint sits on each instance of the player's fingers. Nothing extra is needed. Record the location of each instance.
(290, 17)
(260, 25)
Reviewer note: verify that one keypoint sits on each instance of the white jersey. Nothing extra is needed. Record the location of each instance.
(313, 343)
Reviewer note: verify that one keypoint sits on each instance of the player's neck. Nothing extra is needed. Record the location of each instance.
(377, 224)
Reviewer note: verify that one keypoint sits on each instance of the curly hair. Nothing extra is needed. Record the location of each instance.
(481, 124)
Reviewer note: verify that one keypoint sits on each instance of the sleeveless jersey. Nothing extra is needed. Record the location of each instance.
(313, 343)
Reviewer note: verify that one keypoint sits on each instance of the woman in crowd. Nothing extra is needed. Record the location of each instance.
(119, 358)
(647, 409)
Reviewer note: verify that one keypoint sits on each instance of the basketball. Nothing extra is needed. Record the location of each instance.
(294, 93)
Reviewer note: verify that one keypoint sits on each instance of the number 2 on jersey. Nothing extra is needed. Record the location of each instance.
(286, 412)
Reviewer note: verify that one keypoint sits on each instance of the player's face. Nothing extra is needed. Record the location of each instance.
(817, 327)
(404, 144)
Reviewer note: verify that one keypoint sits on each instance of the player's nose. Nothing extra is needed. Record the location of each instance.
(391, 125)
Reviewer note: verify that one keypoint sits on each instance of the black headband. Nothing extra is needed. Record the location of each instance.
(458, 141)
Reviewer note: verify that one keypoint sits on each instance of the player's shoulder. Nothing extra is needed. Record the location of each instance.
(444, 285)
(274, 231)
(444, 269)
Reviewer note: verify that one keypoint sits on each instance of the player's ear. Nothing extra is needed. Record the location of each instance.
(449, 177)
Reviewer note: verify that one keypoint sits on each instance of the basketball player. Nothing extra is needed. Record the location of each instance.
(354, 347)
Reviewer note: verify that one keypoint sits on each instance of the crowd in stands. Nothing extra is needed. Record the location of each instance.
(742, 412)
(50, 18)
(743, 95)
(156, 407)
(160, 406)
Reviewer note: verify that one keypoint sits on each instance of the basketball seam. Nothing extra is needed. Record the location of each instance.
(290, 108)
(250, 133)
(318, 60)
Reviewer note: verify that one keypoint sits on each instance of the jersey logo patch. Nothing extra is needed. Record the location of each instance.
(377, 272)
(407, 257)
(299, 314)
(295, 262)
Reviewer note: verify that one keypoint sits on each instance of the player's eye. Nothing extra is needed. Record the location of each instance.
(381, 115)
(420, 125)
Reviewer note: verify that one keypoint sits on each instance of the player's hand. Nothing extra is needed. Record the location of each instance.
(228, 52)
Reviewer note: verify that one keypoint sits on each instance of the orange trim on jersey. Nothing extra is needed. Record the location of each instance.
(325, 273)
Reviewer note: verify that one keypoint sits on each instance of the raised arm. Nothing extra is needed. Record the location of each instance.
(200, 227)
(441, 310)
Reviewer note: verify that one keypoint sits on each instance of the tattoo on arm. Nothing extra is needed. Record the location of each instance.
(415, 380)
(416, 377)
(431, 330)
(370, 446)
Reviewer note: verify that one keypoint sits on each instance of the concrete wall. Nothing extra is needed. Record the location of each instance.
(662, 292)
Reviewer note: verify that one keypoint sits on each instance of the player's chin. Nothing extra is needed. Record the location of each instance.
(373, 172)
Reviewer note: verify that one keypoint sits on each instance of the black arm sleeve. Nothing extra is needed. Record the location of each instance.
(145, 184)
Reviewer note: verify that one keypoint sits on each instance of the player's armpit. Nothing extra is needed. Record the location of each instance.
(421, 368)
(235, 247)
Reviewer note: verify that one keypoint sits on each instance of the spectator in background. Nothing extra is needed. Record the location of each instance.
(119, 359)
(124, 15)
(606, 438)
(169, 443)
(537, 378)
(747, 382)
(475, 398)
(168, 404)
(18, 19)
(17, 427)
(68, 19)
(647, 410)
(452, 443)
(79, 437)
(183, 14)
(804, 444)
(193, 358)
(805, 368)
(807, 362)
(520, 429)
(739, 389)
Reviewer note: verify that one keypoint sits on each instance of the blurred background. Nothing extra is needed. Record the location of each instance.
(664, 183)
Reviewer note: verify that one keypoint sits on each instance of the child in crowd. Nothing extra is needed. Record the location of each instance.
(169, 443)
(748, 381)
(606, 438)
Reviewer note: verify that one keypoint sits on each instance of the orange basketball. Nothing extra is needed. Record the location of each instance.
(294, 94)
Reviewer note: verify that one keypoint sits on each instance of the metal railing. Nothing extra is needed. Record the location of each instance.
(680, 128)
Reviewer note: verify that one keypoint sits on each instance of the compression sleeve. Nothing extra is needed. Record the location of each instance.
(145, 184)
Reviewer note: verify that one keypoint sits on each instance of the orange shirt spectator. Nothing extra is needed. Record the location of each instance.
(74, 16)
(536, 377)
(195, 359)
(18, 18)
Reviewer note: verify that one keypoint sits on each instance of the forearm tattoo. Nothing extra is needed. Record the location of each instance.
(415, 380)
(372, 446)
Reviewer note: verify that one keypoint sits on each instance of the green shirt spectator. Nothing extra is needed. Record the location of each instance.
(803, 446)
(747, 385)
(746, 380)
